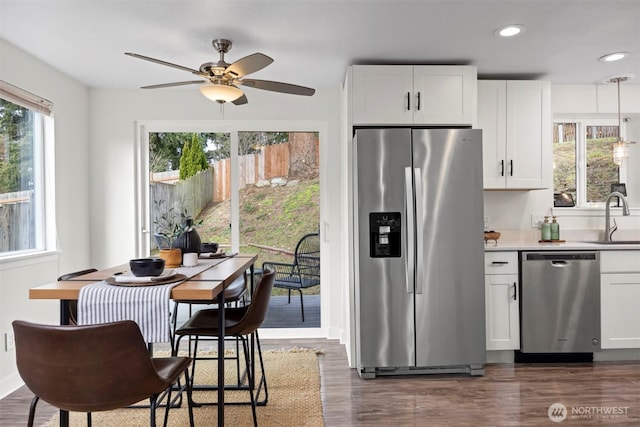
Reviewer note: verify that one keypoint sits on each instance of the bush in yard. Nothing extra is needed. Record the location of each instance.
(193, 159)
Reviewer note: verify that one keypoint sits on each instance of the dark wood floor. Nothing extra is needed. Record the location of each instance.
(508, 395)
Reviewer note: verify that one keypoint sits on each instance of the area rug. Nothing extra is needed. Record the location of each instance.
(293, 380)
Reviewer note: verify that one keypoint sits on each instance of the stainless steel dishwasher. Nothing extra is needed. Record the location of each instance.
(560, 302)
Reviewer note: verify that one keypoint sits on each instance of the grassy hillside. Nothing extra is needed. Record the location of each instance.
(275, 217)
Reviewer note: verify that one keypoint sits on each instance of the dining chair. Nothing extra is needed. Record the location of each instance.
(233, 294)
(73, 304)
(304, 272)
(241, 322)
(96, 368)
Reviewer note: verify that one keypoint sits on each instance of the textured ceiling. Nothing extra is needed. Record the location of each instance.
(313, 42)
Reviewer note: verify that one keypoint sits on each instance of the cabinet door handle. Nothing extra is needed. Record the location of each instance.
(501, 167)
(510, 167)
(418, 101)
(500, 262)
(515, 291)
(408, 101)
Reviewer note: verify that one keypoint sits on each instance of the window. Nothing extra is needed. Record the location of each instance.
(25, 125)
(583, 167)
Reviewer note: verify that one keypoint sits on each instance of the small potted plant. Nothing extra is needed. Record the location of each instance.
(169, 226)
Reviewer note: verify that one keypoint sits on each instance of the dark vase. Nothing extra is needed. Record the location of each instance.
(189, 241)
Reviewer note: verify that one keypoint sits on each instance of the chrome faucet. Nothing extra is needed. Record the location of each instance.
(608, 230)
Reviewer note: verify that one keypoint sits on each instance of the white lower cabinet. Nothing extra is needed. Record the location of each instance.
(620, 299)
(502, 301)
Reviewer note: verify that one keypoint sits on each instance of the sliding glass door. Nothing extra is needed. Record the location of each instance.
(250, 191)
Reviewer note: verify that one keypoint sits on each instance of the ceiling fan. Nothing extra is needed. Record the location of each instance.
(219, 79)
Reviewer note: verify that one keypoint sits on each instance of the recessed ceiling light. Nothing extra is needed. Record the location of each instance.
(510, 30)
(616, 56)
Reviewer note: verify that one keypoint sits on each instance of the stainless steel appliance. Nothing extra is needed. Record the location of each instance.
(560, 302)
(419, 251)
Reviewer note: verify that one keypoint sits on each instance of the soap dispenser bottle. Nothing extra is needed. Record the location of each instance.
(555, 229)
(545, 229)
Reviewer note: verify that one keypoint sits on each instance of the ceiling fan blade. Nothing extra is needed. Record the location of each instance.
(278, 87)
(191, 82)
(248, 64)
(168, 64)
(240, 101)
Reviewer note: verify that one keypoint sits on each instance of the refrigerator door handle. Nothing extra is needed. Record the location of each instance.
(409, 230)
(419, 221)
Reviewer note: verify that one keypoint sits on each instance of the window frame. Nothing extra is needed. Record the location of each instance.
(581, 157)
(44, 171)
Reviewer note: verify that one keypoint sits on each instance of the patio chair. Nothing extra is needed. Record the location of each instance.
(304, 272)
(95, 368)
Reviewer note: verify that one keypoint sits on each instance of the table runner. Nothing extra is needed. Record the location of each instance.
(148, 306)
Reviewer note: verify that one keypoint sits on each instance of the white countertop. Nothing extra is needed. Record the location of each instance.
(561, 246)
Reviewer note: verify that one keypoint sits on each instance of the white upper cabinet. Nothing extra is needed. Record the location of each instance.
(406, 94)
(515, 118)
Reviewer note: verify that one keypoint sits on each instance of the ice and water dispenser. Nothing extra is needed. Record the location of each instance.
(384, 234)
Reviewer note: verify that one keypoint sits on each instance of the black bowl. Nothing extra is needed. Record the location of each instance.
(209, 247)
(146, 266)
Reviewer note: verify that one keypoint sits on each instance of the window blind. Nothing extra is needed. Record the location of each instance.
(24, 98)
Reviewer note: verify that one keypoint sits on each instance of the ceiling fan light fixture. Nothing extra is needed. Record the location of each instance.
(510, 30)
(612, 57)
(220, 93)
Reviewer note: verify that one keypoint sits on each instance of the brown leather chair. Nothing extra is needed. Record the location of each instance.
(240, 322)
(233, 293)
(95, 368)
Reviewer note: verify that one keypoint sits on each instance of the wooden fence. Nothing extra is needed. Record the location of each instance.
(17, 221)
(271, 162)
(566, 132)
(192, 194)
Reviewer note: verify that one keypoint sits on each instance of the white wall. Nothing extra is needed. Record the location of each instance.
(70, 106)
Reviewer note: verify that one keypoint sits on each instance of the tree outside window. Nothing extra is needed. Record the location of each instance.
(22, 216)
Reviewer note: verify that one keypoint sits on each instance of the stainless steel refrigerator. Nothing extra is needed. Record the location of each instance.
(419, 251)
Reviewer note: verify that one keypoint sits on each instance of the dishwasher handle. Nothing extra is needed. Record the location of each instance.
(559, 264)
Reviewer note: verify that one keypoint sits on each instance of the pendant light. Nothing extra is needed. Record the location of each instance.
(620, 147)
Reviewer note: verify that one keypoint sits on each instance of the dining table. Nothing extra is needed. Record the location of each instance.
(214, 275)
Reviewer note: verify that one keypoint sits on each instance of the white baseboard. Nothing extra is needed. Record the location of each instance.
(9, 384)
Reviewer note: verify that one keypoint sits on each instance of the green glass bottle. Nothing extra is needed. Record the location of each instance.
(545, 229)
(555, 229)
